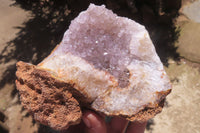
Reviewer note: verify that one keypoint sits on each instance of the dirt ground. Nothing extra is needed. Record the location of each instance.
(30, 30)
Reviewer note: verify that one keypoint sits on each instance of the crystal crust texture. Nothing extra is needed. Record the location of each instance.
(111, 62)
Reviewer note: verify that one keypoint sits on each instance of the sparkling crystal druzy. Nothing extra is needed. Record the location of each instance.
(107, 63)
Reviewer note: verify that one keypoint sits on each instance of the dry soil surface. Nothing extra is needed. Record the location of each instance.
(12, 17)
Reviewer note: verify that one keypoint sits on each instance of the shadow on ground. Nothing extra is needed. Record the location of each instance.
(49, 19)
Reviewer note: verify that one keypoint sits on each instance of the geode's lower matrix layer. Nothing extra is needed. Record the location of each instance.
(105, 62)
(54, 102)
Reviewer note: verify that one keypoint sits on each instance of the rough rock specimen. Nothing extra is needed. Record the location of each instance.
(104, 62)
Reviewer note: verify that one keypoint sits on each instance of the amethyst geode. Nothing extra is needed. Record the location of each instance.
(106, 63)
